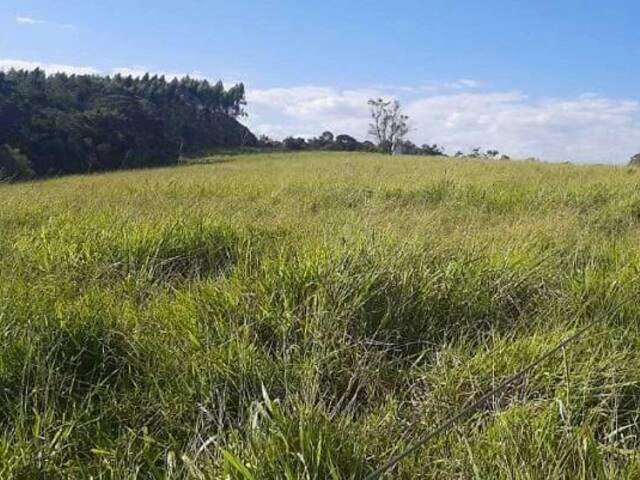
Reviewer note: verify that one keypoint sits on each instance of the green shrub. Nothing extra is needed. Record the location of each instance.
(13, 164)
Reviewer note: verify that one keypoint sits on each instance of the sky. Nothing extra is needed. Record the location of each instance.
(553, 79)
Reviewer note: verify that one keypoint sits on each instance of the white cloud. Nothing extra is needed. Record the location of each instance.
(582, 129)
(588, 128)
(8, 64)
(135, 71)
(463, 84)
(28, 20)
(307, 111)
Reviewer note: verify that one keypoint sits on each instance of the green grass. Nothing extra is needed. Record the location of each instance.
(304, 316)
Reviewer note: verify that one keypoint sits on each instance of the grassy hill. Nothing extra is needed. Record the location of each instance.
(305, 315)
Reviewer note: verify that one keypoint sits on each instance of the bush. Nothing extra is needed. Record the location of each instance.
(291, 143)
(13, 164)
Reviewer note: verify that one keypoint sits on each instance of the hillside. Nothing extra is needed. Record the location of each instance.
(305, 315)
(57, 124)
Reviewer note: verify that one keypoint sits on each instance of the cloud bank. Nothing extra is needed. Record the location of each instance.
(8, 64)
(49, 68)
(586, 129)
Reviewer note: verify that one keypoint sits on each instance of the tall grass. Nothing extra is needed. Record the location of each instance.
(306, 316)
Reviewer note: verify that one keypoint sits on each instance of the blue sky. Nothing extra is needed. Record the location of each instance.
(554, 79)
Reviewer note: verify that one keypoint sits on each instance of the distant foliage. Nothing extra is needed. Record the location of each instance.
(328, 141)
(477, 152)
(409, 148)
(291, 143)
(80, 123)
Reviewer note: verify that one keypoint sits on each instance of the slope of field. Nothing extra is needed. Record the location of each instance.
(304, 316)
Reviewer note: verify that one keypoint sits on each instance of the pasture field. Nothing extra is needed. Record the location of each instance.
(303, 316)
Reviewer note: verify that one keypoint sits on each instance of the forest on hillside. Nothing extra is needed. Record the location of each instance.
(61, 124)
(57, 124)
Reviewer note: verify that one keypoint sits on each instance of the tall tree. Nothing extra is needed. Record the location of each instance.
(388, 124)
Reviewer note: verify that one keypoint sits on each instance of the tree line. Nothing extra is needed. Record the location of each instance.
(56, 124)
(345, 143)
(388, 128)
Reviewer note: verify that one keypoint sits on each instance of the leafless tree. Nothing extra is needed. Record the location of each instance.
(388, 124)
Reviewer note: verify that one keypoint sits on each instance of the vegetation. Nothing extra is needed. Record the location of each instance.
(73, 124)
(342, 143)
(326, 141)
(305, 315)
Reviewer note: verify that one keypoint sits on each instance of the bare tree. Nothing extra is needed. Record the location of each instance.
(389, 124)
